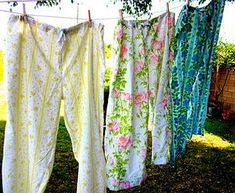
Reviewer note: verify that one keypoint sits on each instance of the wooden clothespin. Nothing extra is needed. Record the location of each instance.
(89, 18)
(168, 8)
(188, 2)
(188, 5)
(121, 14)
(24, 16)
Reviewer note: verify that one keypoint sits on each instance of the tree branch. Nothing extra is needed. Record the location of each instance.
(224, 82)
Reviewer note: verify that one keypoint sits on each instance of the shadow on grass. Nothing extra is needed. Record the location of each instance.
(224, 129)
(200, 169)
(64, 175)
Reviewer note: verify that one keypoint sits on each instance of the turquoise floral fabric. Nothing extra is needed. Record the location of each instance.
(196, 33)
(139, 100)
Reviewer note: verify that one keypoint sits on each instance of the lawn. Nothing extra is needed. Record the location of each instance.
(206, 166)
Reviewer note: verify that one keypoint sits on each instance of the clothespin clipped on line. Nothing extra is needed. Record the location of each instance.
(24, 17)
(89, 18)
(121, 14)
(168, 8)
(188, 1)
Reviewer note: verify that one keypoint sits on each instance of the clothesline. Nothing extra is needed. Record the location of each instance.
(64, 17)
(20, 1)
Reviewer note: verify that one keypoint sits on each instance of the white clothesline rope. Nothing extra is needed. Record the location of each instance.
(19, 1)
(64, 17)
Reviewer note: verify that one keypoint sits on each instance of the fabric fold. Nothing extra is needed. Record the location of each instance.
(197, 32)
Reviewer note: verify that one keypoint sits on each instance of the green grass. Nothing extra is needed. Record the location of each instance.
(2, 94)
(206, 166)
(3, 106)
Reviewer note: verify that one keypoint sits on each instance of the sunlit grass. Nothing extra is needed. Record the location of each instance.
(3, 109)
(214, 141)
(218, 134)
(3, 105)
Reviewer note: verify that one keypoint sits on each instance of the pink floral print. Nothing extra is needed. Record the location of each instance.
(116, 93)
(139, 88)
(154, 58)
(170, 20)
(171, 56)
(123, 141)
(125, 184)
(140, 97)
(157, 44)
(127, 96)
(150, 92)
(139, 65)
(115, 182)
(165, 101)
(143, 153)
(113, 126)
(143, 51)
(119, 34)
(123, 50)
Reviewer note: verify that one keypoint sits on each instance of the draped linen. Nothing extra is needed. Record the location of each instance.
(45, 64)
(139, 99)
(196, 34)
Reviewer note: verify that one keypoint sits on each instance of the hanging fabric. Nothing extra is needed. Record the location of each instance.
(43, 64)
(139, 99)
(197, 31)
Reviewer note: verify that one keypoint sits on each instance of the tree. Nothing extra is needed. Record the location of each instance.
(133, 7)
(224, 59)
(39, 3)
(141, 7)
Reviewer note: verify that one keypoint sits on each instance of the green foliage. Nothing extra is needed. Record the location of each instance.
(3, 105)
(224, 58)
(48, 3)
(224, 55)
(135, 8)
(107, 51)
(107, 78)
(141, 7)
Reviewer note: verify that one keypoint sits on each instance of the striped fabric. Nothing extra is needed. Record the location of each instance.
(45, 64)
